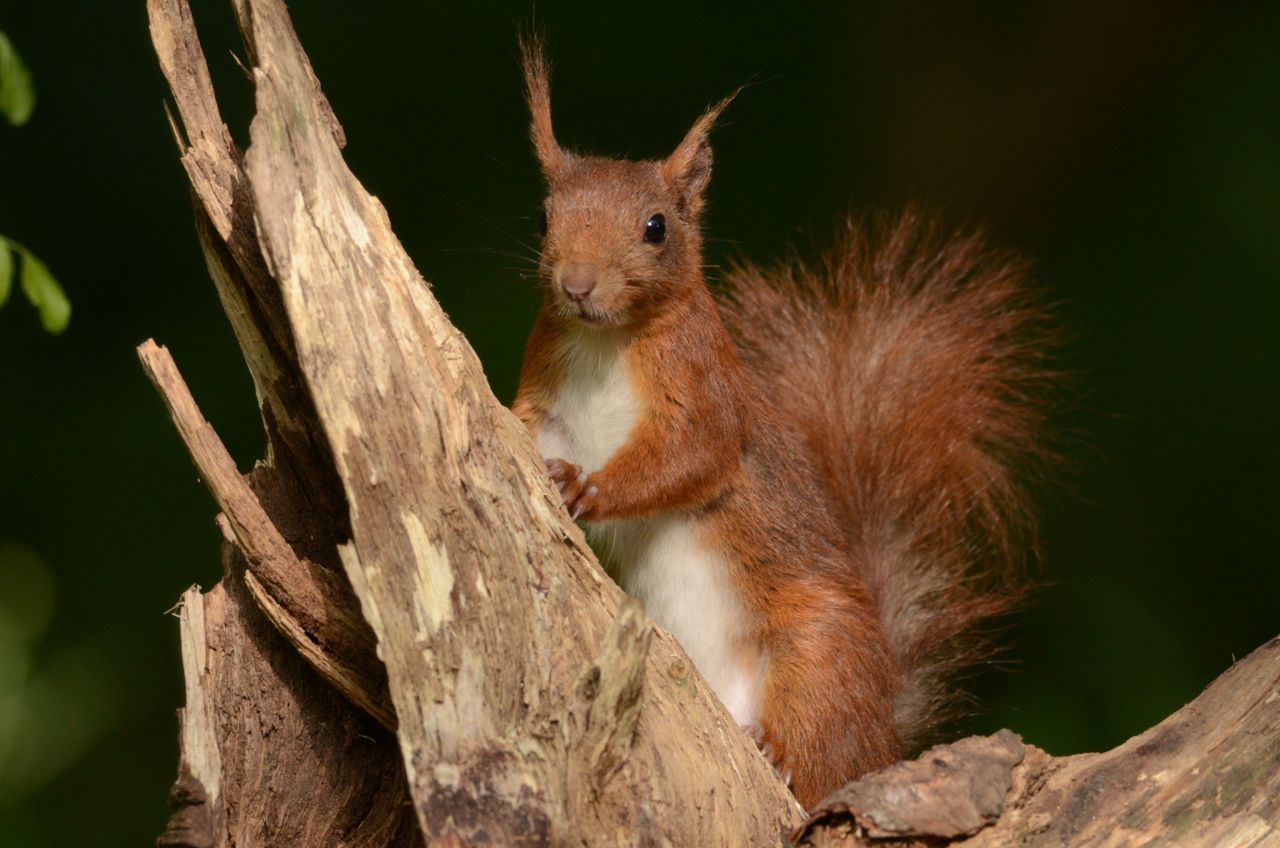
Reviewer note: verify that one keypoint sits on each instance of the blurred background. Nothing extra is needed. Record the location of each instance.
(1130, 150)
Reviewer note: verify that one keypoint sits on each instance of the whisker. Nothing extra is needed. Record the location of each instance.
(489, 251)
(532, 250)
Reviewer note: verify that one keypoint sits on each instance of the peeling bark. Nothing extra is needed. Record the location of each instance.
(1209, 775)
(308, 604)
(270, 753)
(412, 642)
(530, 705)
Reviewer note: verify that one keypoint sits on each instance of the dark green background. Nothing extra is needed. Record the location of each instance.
(1132, 151)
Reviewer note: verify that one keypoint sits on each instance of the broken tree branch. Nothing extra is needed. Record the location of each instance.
(310, 605)
(524, 711)
(1209, 775)
(272, 754)
(531, 705)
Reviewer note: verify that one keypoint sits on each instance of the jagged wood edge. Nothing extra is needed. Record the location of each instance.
(438, 537)
(256, 316)
(698, 779)
(309, 605)
(297, 585)
(1207, 776)
(256, 716)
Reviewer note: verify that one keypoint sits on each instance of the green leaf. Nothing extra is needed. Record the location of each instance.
(17, 91)
(6, 271)
(45, 294)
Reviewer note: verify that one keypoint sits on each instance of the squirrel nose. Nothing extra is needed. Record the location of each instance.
(577, 279)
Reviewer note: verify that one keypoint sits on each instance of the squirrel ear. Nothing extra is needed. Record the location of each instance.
(538, 93)
(688, 169)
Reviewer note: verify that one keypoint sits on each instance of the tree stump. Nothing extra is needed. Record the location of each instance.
(413, 644)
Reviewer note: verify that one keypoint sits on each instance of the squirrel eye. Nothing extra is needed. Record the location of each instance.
(542, 221)
(656, 229)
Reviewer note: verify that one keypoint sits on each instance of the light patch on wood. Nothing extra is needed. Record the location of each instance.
(433, 577)
(360, 579)
(1243, 831)
(354, 224)
(469, 696)
(200, 741)
(447, 774)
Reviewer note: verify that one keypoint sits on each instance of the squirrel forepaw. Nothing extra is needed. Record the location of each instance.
(577, 491)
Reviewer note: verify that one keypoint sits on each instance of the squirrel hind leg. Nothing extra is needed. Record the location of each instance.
(818, 740)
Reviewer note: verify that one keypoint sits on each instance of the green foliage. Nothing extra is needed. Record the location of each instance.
(38, 284)
(17, 99)
(6, 271)
(17, 91)
(45, 294)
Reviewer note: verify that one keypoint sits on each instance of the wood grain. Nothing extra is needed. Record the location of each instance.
(531, 705)
(1207, 776)
(524, 711)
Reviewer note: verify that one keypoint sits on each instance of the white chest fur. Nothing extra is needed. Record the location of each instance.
(684, 582)
(596, 408)
(687, 588)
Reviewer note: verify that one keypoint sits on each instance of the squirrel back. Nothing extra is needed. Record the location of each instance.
(913, 365)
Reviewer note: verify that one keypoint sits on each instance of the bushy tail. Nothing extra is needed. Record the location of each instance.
(914, 366)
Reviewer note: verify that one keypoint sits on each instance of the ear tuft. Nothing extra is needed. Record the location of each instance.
(688, 169)
(538, 93)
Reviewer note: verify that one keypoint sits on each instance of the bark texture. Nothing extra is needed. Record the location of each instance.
(1209, 775)
(271, 754)
(530, 705)
(412, 643)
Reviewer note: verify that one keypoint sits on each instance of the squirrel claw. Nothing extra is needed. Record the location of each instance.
(575, 493)
(769, 750)
(567, 477)
(585, 505)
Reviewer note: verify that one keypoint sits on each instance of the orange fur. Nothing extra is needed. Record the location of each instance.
(843, 437)
(928, 355)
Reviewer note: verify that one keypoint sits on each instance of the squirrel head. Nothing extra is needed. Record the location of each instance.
(621, 240)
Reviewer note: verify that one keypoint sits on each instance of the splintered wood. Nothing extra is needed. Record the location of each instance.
(528, 709)
(1209, 775)
(413, 643)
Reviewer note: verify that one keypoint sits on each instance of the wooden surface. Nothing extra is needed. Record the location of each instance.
(310, 605)
(1206, 777)
(399, 559)
(527, 708)
(271, 755)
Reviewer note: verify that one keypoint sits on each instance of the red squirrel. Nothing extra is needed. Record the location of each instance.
(812, 480)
